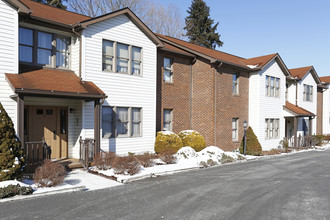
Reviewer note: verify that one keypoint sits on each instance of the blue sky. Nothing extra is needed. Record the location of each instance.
(299, 30)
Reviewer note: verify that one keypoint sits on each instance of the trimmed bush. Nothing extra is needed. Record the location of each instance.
(11, 153)
(318, 139)
(146, 159)
(167, 140)
(167, 156)
(13, 190)
(49, 174)
(126, 165)
(104, 160)
(253, 146)
(192, 139)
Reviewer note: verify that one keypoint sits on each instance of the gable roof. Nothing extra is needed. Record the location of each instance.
(251, 64)
(296, 110)
(53, 82)
(302, 71)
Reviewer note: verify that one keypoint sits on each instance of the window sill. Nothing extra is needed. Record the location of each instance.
(124, 73)
(235, 141)
(236, 95)
(168, 83)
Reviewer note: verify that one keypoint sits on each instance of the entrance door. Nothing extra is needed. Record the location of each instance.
(51, 123)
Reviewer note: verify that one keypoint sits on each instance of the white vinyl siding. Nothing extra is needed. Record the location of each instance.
(123, 90)
(8, 56)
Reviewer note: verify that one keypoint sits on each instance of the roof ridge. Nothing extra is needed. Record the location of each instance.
(200, 46)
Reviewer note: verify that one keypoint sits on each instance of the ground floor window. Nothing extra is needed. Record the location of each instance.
(167, 120)
(121, 121)
(235, 129)
(272, 128)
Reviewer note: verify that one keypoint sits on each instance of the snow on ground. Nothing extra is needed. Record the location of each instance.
(75, 179)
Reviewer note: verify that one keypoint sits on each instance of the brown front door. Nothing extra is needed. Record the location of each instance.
(51, 123)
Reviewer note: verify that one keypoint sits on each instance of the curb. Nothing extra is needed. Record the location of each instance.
(21, 197)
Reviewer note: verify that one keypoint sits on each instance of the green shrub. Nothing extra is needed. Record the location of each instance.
(253, 146)
(11, 153)
(192, 139)
(167, 140)
(13, 190)
(318, 139)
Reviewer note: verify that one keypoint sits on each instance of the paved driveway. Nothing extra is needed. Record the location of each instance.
(288, 187)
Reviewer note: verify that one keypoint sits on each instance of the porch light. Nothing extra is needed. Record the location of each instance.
(245, 124)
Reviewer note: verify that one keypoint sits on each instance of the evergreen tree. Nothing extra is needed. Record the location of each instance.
(199, 26)
(253, 146)
(55, 3)
(11, 153)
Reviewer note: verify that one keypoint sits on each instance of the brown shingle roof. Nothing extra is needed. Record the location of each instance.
(325, 79)
(171, 48)
(222, 56)
(297, 110)
(52, 81)
(54, 14)
(300, 72)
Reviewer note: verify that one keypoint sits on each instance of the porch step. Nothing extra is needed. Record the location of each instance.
(71, 163)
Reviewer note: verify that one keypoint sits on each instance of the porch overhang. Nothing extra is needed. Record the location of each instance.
(297, 111)
(54, 83)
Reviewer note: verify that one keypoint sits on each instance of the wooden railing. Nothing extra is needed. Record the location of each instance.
(87, 151)
(35, 153)
(302, 141)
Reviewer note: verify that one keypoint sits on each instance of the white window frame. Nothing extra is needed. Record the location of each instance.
(272, 90)
(308, 93)
(115, 120)
(170, 122)
(130, 60)
(236, 84)
(235, 122)
(272, 128)
(168, 69)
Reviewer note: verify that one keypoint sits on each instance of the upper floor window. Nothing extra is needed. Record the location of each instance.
(235, 83)
(42, 48)
(272, 86)
(168, 72)
(308, 93)
(122, 58)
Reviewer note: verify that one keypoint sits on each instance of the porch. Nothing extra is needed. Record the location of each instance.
(50, 116)
(298, 126)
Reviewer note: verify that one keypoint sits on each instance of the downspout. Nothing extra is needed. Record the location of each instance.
(296, 93)
(191, 88)
(80, 50)
(215, 103)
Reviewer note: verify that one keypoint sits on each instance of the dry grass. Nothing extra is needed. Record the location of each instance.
(104, 160)
(49, 174)
(146, 159)
(126, 165)
(168, 156)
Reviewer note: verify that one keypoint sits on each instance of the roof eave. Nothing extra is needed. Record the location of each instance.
(22, 8)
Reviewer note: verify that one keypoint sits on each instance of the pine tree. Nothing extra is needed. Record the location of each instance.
(55, 3)
(11, 153)
(199, 26)
(253, 146)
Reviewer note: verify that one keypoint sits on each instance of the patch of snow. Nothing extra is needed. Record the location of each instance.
(12, 182)
(252, 66)
(186, 153)
(16, 161)
(5, 171)
(167, 132)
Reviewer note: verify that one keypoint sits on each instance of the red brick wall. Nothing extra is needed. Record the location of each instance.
(174, 95)
(230, 106)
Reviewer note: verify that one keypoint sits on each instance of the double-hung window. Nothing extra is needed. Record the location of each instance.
(235, 129)
(272, 128)
(108, 55)
(235, 84)
(121, 58)
(167, 120)
(42, 48)
(121, 121)
(308, 93)
(272, 86)
(168, 71)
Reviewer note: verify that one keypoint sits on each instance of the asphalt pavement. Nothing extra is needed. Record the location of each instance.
(287, 187)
